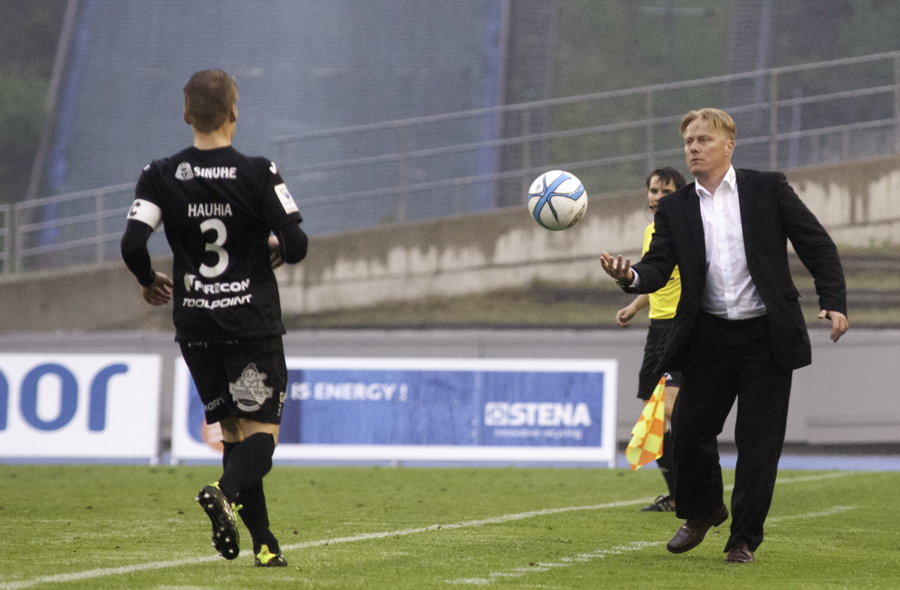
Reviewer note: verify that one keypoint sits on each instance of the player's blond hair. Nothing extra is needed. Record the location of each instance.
(208, 98)
(718, 120)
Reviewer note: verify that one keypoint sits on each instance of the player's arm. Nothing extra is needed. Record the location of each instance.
(289, 244)
(143, 217)
(156, 288)
(135, 253)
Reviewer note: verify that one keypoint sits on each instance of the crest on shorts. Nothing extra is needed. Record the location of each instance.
(249, 391)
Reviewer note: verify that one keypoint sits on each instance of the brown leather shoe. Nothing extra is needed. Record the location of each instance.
(739, 553)
(692, 532)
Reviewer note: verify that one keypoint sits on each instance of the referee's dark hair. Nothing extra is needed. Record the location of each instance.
(666, 175)
(208, 98)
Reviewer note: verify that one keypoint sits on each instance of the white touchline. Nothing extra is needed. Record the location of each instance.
(829, 512)
(155, 565)
(567, 561)
(540, 566)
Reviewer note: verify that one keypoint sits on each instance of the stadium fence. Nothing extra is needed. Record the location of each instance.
(476, 160)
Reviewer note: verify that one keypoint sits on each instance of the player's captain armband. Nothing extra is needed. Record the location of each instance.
(287, 201)
(146, 212)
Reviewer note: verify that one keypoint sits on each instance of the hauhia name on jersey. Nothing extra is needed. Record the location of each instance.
(209, 210)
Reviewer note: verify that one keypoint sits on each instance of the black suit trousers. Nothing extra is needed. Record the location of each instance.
(726, 360)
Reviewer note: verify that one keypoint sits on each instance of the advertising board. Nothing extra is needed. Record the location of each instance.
(431, 410)
(79, 406)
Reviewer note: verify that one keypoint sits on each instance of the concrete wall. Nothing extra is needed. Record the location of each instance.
(95, 298)
(858, 202)
(454, 256)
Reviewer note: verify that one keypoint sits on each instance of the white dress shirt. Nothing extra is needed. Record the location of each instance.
(729, 292)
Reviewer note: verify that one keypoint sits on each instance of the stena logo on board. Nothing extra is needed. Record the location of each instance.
(536, 414)
(87, 406)
(531, 420)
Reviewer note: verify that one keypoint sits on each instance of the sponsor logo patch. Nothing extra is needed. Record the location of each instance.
(218, 303)
(192, 283)
(249, 392)
(216, 172)
(184, 172)
(214, 404)
(287, 201)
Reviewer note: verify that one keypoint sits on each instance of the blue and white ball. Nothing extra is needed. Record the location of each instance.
(557, 200)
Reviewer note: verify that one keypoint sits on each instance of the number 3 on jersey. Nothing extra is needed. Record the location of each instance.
(218, 227)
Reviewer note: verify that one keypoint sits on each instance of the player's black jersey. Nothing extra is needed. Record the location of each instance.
(218, 207)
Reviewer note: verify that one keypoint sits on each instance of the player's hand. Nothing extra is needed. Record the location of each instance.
(839, 323)
(624, 316)
(160, 292)
(275, 252)
(617, 268)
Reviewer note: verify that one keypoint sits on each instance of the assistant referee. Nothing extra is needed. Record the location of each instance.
(663, 303)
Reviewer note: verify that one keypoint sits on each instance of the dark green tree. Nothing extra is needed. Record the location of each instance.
(29, 32)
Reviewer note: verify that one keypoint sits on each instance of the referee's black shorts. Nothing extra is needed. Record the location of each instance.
(653, 350)
(239, 378)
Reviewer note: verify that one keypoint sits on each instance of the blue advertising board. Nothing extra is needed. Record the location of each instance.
(471, 410)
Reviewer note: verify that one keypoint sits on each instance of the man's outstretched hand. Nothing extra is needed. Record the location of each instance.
(618, 269)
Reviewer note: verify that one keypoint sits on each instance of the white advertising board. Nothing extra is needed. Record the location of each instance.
(79, 406)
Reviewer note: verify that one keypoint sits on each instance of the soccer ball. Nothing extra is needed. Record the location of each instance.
(557, 200)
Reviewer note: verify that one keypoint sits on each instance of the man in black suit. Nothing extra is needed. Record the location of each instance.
(739, 331)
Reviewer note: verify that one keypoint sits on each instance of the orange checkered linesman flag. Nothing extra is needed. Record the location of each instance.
(647, 435)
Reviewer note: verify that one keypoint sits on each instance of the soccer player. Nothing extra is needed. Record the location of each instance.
(219, 208)
(660, 183)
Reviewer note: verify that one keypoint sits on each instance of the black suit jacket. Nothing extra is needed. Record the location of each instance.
(771, 214)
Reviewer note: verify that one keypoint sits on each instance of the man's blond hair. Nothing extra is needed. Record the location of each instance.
(717, 119)
(208, 98)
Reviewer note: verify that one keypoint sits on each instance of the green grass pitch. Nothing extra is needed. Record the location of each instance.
(91, 526)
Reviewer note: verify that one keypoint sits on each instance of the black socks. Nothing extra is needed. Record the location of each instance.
(666, 463)
(245, 464)
(256, 518)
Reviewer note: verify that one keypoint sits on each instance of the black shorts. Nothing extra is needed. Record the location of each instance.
(653, 351)
(240, 378)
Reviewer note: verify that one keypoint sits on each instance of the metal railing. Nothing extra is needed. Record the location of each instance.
(453, 163)
(815, 113)
(6, 234)
(74, 229)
